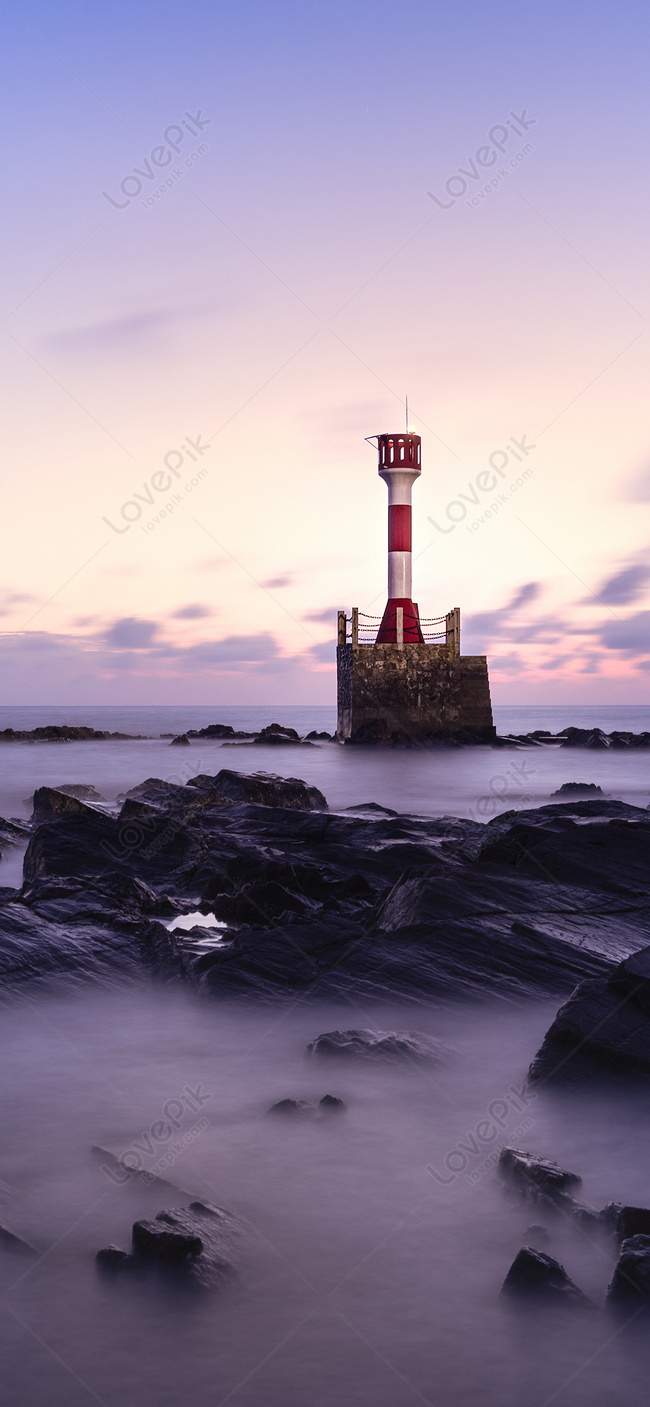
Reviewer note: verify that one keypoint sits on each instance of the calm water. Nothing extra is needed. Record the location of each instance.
(363, 1279)
(476, 782)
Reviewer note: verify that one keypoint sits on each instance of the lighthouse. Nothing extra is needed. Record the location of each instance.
(400, 464)
(402, 679)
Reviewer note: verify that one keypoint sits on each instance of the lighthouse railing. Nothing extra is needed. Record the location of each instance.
(360, 628)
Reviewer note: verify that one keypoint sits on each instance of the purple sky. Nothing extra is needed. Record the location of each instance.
(237, 237)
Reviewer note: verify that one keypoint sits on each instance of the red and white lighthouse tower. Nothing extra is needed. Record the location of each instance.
(400, 465)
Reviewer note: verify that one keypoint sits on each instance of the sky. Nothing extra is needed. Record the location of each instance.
(236, 236)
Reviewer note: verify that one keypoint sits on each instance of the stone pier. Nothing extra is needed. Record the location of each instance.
(399, 693)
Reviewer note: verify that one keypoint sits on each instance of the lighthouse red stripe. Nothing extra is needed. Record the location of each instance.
(399, 527)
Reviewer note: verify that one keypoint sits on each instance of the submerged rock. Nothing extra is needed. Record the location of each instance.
(181, 741)
(10, 1242)
(291, 1107)
(538, 1277)
(398, 1046)
(331, 1105)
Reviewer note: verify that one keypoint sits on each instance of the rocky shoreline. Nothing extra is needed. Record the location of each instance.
(293, 901)
(291, 898)
(277, 735)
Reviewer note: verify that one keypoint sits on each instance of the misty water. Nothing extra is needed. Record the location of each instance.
(372, 1244)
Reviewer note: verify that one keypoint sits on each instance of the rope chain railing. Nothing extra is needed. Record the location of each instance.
(368, 626)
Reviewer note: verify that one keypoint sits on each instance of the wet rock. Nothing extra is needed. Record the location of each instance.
(589, 1220)
(291, 1108)
(372, 807)
(276, 730)
(604, 1027)
(394, 1046)
(538, 1179)
(217, 730)
(538, 1277)
(61, 733)
(331, 1105)
(181, 741)
(629, 1288)
(264, 789)
(424, 909)
(192, 1243)
(578, 789)
(593, 738)
(158, 1241)
(632, 979)
(82, 790)
(555, 845)
(13, 833)
(632, 1221)
(50, 802)
(315, 737)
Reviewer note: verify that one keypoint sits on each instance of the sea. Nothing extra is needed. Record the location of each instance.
(371, 1246)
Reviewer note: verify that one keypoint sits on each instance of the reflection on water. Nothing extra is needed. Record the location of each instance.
(194, 920)
(363, 1278)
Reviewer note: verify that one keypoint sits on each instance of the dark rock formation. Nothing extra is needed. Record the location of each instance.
(569, 789)
(315, 737)
(554, 844)
(396, 1046)
(291, 1107)
(424, 909)
(539, 1182)
(12, 834)
(217, 730)
(592, 738)
(61, 733)
(537, 1179)
(264, 789)
(192, 1244)
(632, 1221)
(331, 1105)
(535, 1276)
(275, 733)
(82, 790)
(604, 1026)
(629, 1289)
(181, 741)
